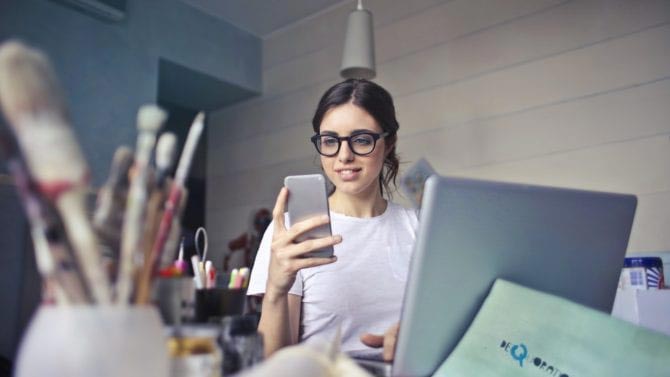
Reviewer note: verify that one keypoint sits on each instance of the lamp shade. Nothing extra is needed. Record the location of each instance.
(358, 57)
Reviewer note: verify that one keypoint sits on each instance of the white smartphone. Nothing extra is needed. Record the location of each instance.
(307, 198)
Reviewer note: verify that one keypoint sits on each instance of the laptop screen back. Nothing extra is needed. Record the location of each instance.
(570, 243)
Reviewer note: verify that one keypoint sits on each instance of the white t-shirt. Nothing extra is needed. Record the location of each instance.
(363, 290)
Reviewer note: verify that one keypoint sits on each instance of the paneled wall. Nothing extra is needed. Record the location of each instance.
(552, 92)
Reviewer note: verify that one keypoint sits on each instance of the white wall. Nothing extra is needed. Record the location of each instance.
(552, 92)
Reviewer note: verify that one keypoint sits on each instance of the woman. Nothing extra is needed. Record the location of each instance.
(360, 289)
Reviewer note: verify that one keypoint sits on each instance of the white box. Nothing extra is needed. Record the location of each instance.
(646, 308)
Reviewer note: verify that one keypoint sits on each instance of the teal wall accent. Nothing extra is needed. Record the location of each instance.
(162, 52)
(109, 69)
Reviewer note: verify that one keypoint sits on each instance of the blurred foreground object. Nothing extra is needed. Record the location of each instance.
(31, 101)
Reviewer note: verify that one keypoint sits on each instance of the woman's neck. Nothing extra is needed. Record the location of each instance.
(365, 205)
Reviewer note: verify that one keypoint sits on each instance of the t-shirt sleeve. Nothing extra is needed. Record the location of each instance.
(259, 271)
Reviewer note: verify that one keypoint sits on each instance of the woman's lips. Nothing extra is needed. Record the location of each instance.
(348, 174)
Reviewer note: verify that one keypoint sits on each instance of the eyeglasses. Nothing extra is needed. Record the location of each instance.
(361, 143)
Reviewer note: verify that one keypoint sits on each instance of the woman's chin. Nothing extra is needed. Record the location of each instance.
(353, 188)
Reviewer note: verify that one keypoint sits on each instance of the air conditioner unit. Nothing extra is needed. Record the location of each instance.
(107, 10)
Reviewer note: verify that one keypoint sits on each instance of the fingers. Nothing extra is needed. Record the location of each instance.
(312, 262)
(305, 247)
(388, 341)
(304, 226)
(372, 340)
(278, 211)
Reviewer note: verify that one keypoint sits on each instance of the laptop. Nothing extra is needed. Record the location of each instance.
(570, 243)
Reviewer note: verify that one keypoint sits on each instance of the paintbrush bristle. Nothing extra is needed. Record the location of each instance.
(27, 82)
(150, 118)
(200, 117)
(165, 150)
(33, 104)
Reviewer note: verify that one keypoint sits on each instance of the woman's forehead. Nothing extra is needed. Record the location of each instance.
(348, 118)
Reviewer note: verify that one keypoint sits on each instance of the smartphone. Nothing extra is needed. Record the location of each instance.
(306, 199)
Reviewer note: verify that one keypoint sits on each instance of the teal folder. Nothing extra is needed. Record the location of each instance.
(522, 332)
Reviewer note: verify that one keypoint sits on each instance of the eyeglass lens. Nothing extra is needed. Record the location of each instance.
(360, 144)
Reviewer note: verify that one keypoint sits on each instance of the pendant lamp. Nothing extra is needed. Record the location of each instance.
(358, 57)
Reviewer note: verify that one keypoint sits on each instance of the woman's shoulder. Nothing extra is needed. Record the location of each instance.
(397, 208)
(409, 215)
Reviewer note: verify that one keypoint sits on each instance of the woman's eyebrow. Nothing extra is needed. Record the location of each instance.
(361, 130)
(354, 132)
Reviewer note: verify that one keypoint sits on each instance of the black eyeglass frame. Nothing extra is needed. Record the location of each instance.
(375, 137)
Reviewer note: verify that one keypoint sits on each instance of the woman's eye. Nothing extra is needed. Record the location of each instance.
(329, 141)
(362, 140)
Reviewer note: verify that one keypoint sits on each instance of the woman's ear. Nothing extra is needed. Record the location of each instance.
(388, 149)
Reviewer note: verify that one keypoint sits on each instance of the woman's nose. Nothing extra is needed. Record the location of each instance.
(345, 153)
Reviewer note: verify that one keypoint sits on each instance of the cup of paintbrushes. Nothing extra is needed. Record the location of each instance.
(100, 340)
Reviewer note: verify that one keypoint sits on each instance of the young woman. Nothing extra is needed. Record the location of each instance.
(360, 289)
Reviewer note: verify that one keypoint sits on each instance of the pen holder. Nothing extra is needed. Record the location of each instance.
(216, 303)
(93, 341)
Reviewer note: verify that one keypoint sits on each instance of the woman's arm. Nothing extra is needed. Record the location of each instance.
(280, 321)
(280, 314)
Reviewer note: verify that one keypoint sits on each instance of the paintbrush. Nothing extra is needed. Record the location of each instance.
(166, 149)
(171, 245)
(165, 157)
(31, 100)
(54, 260)
(165, 153)
(150, 118)
(111, 204)
(174, 200)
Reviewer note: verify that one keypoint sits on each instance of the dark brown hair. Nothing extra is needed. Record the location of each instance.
(377, 102)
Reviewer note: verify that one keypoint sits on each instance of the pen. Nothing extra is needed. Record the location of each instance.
(210, 273)
(244, 271)
(233, 278)
(239, 280)
(197, 276)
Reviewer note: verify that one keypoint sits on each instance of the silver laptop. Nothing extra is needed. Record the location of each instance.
(570, 243)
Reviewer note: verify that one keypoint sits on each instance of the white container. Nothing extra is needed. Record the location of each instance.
(646, 308)
(93, 341)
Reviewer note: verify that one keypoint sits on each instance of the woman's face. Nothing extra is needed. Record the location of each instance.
(350, 173)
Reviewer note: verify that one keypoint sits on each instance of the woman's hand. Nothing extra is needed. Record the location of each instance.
(287, 257)
(387, 341)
